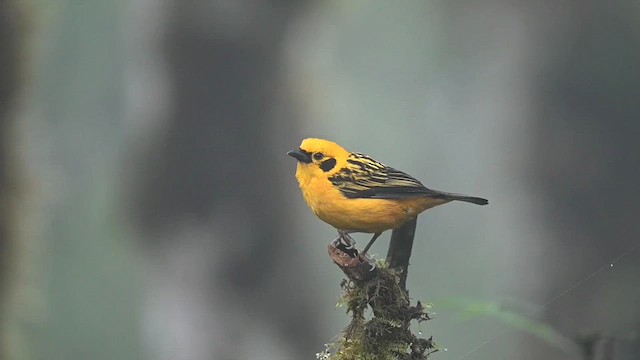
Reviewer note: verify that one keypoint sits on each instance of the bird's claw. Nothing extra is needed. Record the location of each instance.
(371, 262)
(340, 241)
(347, 240)
(345, 243)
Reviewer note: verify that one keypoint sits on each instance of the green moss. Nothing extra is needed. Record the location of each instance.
(385, 334)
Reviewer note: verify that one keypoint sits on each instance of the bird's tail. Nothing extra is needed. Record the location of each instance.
(460, 197)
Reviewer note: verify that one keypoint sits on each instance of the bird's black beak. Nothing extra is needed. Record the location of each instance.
(300, 155)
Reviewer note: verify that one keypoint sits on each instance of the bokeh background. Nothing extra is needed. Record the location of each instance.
(148, 209)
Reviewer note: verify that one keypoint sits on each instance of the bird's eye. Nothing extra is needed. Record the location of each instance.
(318, 156)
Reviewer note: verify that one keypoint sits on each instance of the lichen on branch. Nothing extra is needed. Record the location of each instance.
(381, 316)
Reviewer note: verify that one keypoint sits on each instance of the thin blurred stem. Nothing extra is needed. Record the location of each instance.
(400, 250)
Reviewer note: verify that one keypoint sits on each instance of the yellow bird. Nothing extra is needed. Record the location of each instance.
(355, 193)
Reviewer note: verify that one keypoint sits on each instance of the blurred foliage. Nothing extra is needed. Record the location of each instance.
(468, 309)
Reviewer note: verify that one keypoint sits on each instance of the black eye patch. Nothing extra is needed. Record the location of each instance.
(328, 164)
(318, 156)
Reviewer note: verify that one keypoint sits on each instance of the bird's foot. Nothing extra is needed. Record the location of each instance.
(345, 243)
(346, 238)
(364, 256)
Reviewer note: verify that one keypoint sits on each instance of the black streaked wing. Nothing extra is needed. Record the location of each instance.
(367, 178)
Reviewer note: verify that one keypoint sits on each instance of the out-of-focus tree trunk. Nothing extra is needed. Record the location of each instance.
(578, 81)
(212, 204)
(10, 76)
(585, 158)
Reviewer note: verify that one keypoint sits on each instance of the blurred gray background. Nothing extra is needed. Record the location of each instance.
(148, 209)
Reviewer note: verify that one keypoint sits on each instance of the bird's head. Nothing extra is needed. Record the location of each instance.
(319, 157)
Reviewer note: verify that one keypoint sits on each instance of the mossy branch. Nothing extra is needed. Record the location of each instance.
(381, 312)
